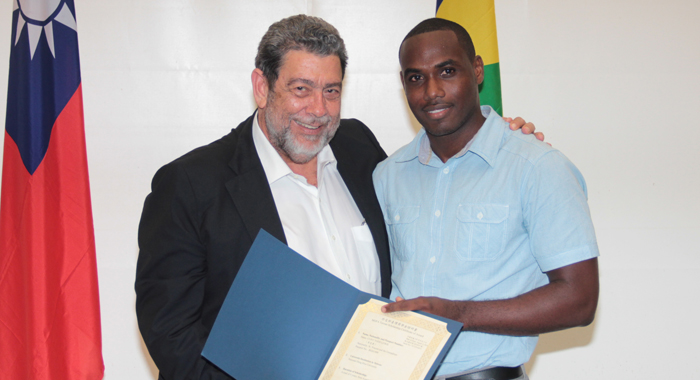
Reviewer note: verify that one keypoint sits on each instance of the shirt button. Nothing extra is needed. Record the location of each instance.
(397, 218)
(333, 237)
(480, 216)
(437, 213)
(446, 170)
(432, 259)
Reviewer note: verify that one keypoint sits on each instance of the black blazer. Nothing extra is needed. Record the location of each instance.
(203, 213)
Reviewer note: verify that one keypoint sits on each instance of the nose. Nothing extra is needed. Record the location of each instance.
(317, 104)
(433, 89)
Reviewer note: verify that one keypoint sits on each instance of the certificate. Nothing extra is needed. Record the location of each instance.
(286, 318)
(375, 345)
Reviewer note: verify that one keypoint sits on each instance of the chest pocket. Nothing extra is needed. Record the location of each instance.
(401, 223)
(366, 251)
(481, 231)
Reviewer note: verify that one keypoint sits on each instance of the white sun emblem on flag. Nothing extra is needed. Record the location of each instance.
(42, 12)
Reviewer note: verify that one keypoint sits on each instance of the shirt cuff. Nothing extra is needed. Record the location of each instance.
(563, 259)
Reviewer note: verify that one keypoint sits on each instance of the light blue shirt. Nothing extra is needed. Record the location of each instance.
(485, 225)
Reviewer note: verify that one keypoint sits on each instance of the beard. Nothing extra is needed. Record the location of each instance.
(299, 148)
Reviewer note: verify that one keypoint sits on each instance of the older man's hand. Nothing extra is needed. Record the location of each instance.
(527, 128)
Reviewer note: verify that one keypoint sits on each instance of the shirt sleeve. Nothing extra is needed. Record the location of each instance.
(556, 213)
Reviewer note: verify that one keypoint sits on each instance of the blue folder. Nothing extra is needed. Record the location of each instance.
(284, 315)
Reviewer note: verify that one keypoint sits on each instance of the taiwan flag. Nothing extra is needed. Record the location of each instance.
(478, 17)
(49, 305)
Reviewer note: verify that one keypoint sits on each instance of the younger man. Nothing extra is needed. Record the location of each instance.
(486, 226)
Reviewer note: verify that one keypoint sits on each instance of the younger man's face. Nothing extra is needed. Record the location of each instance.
(440, 82)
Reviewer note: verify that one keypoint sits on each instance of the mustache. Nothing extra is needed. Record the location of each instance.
(313, 120)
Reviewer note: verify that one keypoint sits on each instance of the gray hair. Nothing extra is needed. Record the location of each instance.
(300, 32)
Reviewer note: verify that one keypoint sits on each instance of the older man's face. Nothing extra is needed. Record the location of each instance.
(303, 111)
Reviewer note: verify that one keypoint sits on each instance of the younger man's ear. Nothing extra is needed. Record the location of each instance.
(479, 69)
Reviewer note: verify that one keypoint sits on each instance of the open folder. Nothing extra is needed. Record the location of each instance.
(287, 318)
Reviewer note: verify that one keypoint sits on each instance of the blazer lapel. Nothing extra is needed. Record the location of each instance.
(249, 188)
(351, 175)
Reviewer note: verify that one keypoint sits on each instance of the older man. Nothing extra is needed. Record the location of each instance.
(293, 168)
(487, 227)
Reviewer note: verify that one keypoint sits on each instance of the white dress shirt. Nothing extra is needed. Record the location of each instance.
(321, 223)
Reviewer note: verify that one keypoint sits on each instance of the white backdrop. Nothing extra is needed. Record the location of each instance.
(613, 84)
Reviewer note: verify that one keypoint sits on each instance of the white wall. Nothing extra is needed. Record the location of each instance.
(613, 84)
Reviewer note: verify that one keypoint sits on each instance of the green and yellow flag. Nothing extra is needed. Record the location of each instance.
(478, 17)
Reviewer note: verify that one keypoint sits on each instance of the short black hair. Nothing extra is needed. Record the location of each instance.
(435, 24)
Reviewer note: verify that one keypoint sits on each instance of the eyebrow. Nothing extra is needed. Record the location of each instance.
(307, 82)
(312, 84)
(410, 71)
(336, 84)
(449, 62)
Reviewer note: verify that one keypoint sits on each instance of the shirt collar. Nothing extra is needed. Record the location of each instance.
(325, 158)
(274, 166)
(484, 144)
(489, 139)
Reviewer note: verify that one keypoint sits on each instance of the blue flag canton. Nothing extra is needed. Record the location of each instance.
(40, 85)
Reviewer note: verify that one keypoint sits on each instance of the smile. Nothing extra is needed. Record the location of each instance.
(307, 126)
(437, 111)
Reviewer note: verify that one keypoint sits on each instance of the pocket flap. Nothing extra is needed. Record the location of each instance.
(482, 213)
(402, 214)
(362, 233)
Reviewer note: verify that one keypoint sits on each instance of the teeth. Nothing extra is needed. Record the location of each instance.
(307, 126)
(438, 109)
